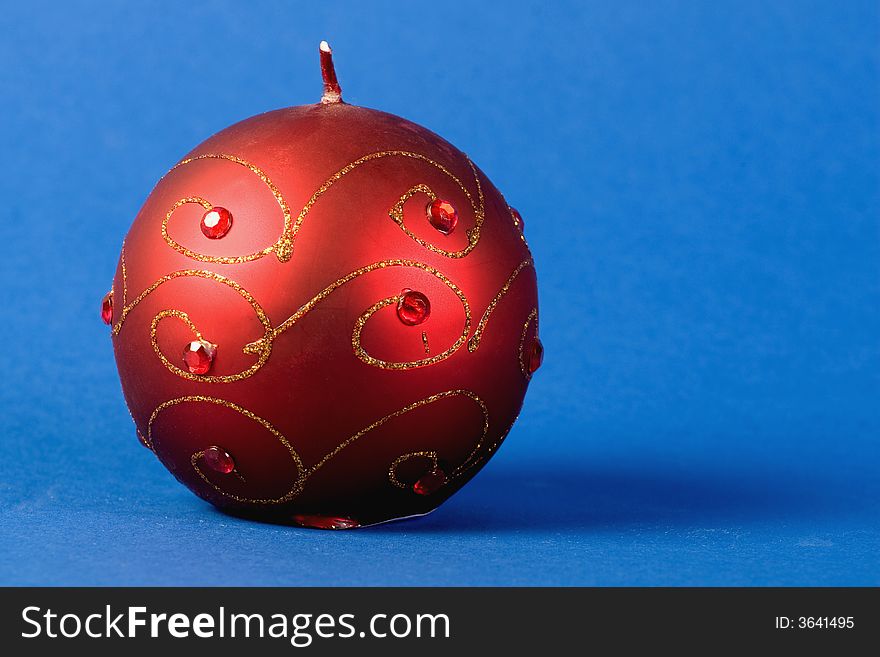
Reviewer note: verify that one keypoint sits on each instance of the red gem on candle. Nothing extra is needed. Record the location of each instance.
(107, 308)
(517, 219)
(324, 522)
(219, 460)
(216, 222)
(198, 356)
(413, 308)
(442, 215)
(536, 356)
(430, 482)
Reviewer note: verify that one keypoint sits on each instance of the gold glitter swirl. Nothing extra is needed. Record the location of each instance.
(171, 241)
(361, 353)
(304, 473)
(473, 234)
(533, 316)
(124, 281)
(283, 249)
(283, 246)
(410, 407)
(471, 458)
(396, 212)
(263, 347)
(289, 495)
(474, 342)
(260, 346)
(143, 440)
(183, 317)
(501, 437)
(263, 352)
(392, 471)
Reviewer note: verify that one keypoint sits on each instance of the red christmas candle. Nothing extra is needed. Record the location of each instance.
(325, 315)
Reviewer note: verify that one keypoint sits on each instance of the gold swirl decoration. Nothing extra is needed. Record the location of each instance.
(263, 354)
(289, 495)
(283, 246)
(283, 250)
(473, 234)
(263, 347)
(124, 282)
(474, 342)
(471, 459)
(303, 472)
(400, 460)
(259, 346)
(396, 212)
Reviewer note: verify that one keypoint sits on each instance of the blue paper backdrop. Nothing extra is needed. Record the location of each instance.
(700, 183)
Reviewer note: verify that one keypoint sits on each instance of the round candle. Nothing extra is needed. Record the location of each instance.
(324, 315)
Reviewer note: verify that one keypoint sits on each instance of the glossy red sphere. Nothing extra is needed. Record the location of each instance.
(335, 393)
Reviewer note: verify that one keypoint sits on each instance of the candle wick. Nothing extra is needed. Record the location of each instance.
(332, 90)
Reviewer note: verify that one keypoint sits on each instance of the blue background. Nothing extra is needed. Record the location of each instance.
(701, 187)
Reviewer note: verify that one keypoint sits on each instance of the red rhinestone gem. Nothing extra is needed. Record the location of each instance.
(325, 522)
(413, 307)
(536, 356)
(107, 308)
(517, 218)
(430, 482)
(442, 215)
(216, 222)
(198, 356)
(219, 460)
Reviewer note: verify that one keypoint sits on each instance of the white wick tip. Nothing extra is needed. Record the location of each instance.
(325, 47)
